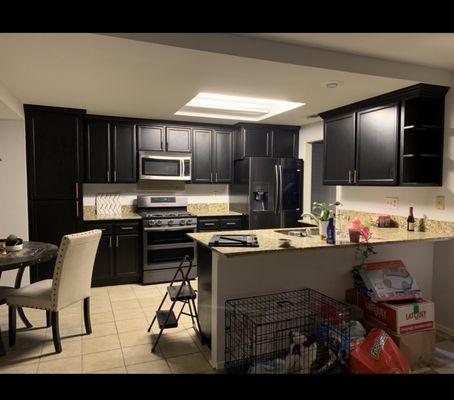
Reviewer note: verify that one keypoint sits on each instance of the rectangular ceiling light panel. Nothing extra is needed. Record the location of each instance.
(211, 105)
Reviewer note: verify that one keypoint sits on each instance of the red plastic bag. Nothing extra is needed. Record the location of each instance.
(378, 354)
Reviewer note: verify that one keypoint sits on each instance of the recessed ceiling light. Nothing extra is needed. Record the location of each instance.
(212, 105)
(333, 84)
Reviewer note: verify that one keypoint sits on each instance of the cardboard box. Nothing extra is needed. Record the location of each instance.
(400, 318)
(389, 280)
(417, 347)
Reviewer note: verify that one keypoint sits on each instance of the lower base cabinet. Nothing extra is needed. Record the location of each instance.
(118, 257)
(227, 223)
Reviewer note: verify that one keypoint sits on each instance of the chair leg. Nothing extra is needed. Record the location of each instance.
(12, 325)
(48, 319)
(56, 331)
(87, 315)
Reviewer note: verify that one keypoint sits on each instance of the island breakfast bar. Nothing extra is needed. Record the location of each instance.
(233, 272)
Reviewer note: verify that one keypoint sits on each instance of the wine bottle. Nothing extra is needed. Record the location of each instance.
(411, 221)
(330, 230)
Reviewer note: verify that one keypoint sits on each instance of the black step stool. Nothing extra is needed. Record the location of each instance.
(183, 293)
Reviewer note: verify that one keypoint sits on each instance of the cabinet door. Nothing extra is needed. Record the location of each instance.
(50, 220)
(178, 139)
(124, 153)
(339, 157)
(376, 151)
(127, 256)
(97, 151)
(222, 156)
(285, 143)
(257, 141)
(151, 137)
(53, 140)
(201, 156)
(103, 268)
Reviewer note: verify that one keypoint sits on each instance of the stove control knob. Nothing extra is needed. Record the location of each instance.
(159, 222)
(182, 222)
(189, 222)
(151, 223)
(170, 222)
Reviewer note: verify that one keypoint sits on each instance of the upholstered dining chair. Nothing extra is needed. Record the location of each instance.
(71, 283)
(4, 292)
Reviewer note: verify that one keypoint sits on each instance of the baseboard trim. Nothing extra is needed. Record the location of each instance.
(445, 329)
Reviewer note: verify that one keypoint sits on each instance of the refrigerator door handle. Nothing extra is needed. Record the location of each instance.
(280, 188)
(276, 190)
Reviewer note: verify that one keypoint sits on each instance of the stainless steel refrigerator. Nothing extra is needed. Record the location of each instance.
(268, 191)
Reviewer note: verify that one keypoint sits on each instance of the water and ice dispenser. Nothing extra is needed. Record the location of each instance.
(260, 196)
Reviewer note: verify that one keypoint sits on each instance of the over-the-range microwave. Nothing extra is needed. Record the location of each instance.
(157, 166)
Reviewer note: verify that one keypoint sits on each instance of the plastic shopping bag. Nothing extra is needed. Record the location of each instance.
(378, 354)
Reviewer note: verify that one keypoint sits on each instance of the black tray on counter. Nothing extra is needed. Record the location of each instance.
(234, 241)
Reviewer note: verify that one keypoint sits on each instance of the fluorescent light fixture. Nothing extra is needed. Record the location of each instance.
(212, 105)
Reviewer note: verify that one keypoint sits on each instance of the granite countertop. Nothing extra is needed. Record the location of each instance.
(123, 216)
(268, 240)
(216, 213)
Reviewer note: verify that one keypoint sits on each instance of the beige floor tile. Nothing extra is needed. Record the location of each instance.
(104, 329)
(154, 367)
(128, 325)
(119, 296)
(102, 317)
(178, 348)
(70, 365)
(154, 294)
(102, 361)
(128, 313)
(192, 363)
(32, 337)
(99, 344)
(120, 288)
(119, 370)
(207, 355)
(135, 338)
(100, 308)
(15, 357)
(171, 335)
(141, 354)
(125, 304)
(27, 368)
(70, 348)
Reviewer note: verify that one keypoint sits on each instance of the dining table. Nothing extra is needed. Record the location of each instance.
(32, 254)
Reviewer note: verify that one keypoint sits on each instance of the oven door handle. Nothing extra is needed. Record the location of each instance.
(168, 246)
(172, 228)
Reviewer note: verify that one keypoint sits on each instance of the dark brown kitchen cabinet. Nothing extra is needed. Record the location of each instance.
(118, 257)
(376, 145)
(160, 137)
(212, 156)
(110, 151)
(224, 223)
(253, 141)
(285, 142)
(54, 160)
(339, 141)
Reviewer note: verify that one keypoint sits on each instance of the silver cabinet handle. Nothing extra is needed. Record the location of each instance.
(116, 241)
(127, 228)
(355, 176)
(77, 208)
(349, 176)
(216, 175)
(231, 223)
(110, 242)
(276, 189)
(77, 190)
(208, 223)
(211, 177)
(115, 176)
(108, 176)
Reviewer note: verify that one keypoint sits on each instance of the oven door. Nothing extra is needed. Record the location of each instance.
(166, 248)
(159, 167)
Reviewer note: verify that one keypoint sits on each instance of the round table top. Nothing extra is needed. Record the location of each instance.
(33, 253)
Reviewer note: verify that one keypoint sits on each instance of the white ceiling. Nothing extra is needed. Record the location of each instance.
(430, 49)
(116, 76)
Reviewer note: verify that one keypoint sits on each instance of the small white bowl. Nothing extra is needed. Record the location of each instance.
(17, 247)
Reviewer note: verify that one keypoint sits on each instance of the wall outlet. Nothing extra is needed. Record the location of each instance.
(440, 202)
(392, 203)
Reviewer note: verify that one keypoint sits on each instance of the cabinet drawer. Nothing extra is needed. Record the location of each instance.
(107, 228)
(230, 223)
(126, 227)
(208, 224)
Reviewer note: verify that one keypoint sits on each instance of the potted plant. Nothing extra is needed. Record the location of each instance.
(321, 211)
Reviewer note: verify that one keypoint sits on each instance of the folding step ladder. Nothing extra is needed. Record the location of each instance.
(183, 293)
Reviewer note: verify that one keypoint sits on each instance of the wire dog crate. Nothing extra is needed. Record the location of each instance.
(301, 331)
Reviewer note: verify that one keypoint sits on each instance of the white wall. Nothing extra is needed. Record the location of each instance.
(129, 191)
(13, 186)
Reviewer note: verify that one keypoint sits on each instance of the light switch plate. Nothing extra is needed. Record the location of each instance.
(440, 202)
(392, 203)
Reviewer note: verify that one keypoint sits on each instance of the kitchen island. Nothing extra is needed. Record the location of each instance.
(234, 272)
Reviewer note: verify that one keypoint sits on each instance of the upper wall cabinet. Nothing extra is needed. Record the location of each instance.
(266, 141)
(392, 139)
(212, 156)
(110, 151)
(164, 138)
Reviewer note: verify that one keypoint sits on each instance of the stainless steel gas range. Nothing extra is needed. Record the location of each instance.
(166, 222)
